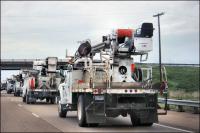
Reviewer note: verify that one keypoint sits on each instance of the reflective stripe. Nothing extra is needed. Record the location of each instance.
(130, 91)
(117, 91)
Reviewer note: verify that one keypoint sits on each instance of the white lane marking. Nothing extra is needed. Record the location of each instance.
(35, 115)
(173, 128)
(19, 105)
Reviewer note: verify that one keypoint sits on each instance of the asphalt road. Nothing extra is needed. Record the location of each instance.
(17, 116)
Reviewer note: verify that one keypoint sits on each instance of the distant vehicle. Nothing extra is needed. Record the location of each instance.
(18, 84)
(3, 86)
(41, 82)
(10, 86)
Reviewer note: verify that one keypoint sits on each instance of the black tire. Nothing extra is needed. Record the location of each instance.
(47, 100)
(147, 124)
(24, 99)
(93, 124)
(32, 102)
(53, 100)
(134, 119)
(81, 114)
(8, 92)
(18, 94)
(61, 113)
(27, 99)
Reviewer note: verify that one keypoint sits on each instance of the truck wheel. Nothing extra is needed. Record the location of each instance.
(61, 113)
(134, 119)
(147, 124)
(8, 92)
(93, 124)
(81, 114)
(27, 99)
(47, 100)
(18, 94)
(52, 100)
(24, 99)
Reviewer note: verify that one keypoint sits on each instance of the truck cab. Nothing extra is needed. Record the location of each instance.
(10, 85)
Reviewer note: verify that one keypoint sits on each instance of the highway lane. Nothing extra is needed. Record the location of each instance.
(17, 119)
(48, 113)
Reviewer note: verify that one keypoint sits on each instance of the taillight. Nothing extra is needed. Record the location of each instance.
(80, 81)
(32, 83)
(132, 68)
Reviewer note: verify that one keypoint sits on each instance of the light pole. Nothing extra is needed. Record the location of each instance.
(158, 15)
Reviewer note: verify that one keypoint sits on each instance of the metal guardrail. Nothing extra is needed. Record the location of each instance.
(180, 102)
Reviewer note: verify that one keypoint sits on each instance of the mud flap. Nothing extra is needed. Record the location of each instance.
(148, 116)
(95, 112)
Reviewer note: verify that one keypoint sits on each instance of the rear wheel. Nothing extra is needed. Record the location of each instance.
(81, 114)
(18, 94)
(61, 112)
(134, 119)
(27, 99)
(53, 100)
(147, 124)
(8, 92)
(47, 100)
(24, 99)
(93, 124)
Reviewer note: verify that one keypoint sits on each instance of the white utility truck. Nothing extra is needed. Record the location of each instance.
(42, 81)
(113, 85)
(10, 85)
(18, 84)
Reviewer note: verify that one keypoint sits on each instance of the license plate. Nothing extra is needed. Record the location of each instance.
(99, 98)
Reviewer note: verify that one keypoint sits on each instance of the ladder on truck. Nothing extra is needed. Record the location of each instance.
(95, 107)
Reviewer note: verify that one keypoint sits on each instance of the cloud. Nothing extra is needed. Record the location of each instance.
(41, 28)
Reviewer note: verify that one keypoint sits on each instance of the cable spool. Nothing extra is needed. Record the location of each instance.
(85, 48)
(32, 83)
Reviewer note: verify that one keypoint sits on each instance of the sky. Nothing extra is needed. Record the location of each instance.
(37, 29)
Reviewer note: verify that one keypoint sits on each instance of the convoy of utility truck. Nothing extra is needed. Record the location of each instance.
(99, 81)
(113, 85)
